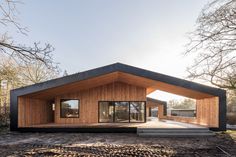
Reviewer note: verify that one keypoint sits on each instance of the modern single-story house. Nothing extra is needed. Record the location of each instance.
(112, 98)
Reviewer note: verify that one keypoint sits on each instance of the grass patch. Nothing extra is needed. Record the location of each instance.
(228, 134)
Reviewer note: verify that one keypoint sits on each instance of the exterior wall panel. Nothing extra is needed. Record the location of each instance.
(208, 112)
(116, 91)
(33, 111)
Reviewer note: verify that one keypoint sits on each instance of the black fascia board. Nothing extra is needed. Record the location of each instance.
(169, 79)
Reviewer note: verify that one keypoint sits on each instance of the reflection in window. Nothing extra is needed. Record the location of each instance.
(137, 110)
(69, 108)
(121, 111)
(106, 112)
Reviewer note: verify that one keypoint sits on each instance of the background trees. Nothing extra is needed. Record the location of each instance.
(186, 103)
(20, 64)
(20, 52)
(214, 42)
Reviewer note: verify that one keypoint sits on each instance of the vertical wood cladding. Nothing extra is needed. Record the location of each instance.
(89, 98)
(208, 111)
(37, 111)
(33, 111)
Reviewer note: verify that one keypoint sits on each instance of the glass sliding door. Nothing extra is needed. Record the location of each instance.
(106, 110)
(121, 111)
(137, 112)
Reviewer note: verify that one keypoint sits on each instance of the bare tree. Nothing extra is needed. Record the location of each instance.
(231, 101)
(10, 71)
(36, 71)
(214, 44)
(26, 73)
(181, 104)
(19, 52)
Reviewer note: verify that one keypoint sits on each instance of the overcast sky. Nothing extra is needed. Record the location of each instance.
(86, 34)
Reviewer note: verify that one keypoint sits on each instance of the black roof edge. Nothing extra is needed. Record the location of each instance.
(122, 68)
(157, 101)
(171, 80)
(66, 79)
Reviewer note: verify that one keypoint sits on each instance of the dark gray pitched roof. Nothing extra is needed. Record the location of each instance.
(122, 68)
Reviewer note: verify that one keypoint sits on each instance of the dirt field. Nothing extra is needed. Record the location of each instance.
(90, 144)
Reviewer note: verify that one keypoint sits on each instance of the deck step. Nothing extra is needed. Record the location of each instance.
(178, 132)
(149, 130)
(175, 134)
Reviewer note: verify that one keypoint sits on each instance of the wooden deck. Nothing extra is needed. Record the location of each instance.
(149, 124)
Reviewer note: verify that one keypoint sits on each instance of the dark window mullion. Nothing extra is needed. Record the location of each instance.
(113, 104)
(143, 104)
(145, 112)
(129, 111)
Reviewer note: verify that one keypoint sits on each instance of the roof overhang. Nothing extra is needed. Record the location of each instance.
(118, 72)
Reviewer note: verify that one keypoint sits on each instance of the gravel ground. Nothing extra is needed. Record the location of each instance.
(112, 144)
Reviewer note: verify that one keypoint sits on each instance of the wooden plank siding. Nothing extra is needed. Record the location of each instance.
(149, 84)
(89, 98)
(208, 111)
(33, 111)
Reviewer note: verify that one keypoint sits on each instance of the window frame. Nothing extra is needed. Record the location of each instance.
(61, 100)
(113, 104)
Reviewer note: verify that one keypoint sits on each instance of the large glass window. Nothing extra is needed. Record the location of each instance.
(69, 108)
(106, 110)
(121, 111)
(137, 110)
